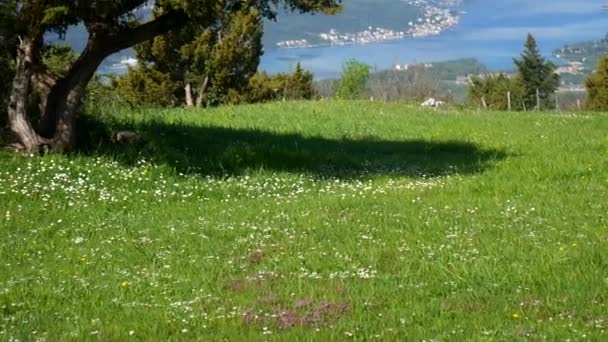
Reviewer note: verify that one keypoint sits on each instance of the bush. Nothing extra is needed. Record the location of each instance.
(264, 88)
(144, 86)
(597, 87)
(102, 96)
(353, 80)
(491, 91)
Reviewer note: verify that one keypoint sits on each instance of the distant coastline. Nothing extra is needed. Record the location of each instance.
(435, 17)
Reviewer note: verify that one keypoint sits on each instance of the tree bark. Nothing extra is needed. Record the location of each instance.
(200, 97)
(188, 91)
(18, 119)
(65, 96)
(42, 82)
(65, 99)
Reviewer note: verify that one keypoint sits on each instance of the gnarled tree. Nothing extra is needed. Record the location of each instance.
(112, 27)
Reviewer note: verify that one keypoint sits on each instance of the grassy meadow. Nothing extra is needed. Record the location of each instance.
(311, 221)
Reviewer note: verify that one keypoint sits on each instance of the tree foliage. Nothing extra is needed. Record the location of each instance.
(493, 91)
(300, 86)
(145, 86)
(536, 74)
(207, 62)
(57, 59)
(264, 88)
(597, 87)
(353, 79)
(235, 56)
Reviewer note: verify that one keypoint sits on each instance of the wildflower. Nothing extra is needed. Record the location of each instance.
(78, 240)
(516, 316)
(574, 245)
(124, 284)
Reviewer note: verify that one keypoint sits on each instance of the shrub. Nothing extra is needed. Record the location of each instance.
(144, 86)
(597, 87)
(492, 91)
(353, 80)
(263, 87)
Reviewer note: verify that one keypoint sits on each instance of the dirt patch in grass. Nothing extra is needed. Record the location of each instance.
(255, 257)
(301, 313)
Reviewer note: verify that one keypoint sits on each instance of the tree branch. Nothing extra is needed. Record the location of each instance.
(129, 37)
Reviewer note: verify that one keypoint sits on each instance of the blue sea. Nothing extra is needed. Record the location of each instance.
(491, 31)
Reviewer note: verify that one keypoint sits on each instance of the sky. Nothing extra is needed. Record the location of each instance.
(547, 19)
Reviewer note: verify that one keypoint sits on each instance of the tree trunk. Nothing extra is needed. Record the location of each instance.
(66, 96)
(17, 109)
(200, 97)
(188, 91)
(42, 82)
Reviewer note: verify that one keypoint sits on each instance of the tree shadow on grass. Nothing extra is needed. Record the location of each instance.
(222, 152)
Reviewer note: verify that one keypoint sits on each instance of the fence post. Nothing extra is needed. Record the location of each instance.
(483, 101)
(509, 100)
(556, 102)
(578, 104)
(537, 100)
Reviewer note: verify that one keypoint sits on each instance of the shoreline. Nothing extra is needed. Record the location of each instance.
(433, 20)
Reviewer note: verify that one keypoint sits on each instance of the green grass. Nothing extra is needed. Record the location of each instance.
(312, 221)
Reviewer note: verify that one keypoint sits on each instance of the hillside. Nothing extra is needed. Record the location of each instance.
(311, 221)
(586, 53)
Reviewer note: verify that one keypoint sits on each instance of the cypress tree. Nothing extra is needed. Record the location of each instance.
(536, 74)
(207, 63)
(300, 84)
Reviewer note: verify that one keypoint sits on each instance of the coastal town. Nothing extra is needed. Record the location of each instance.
(435, 17)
